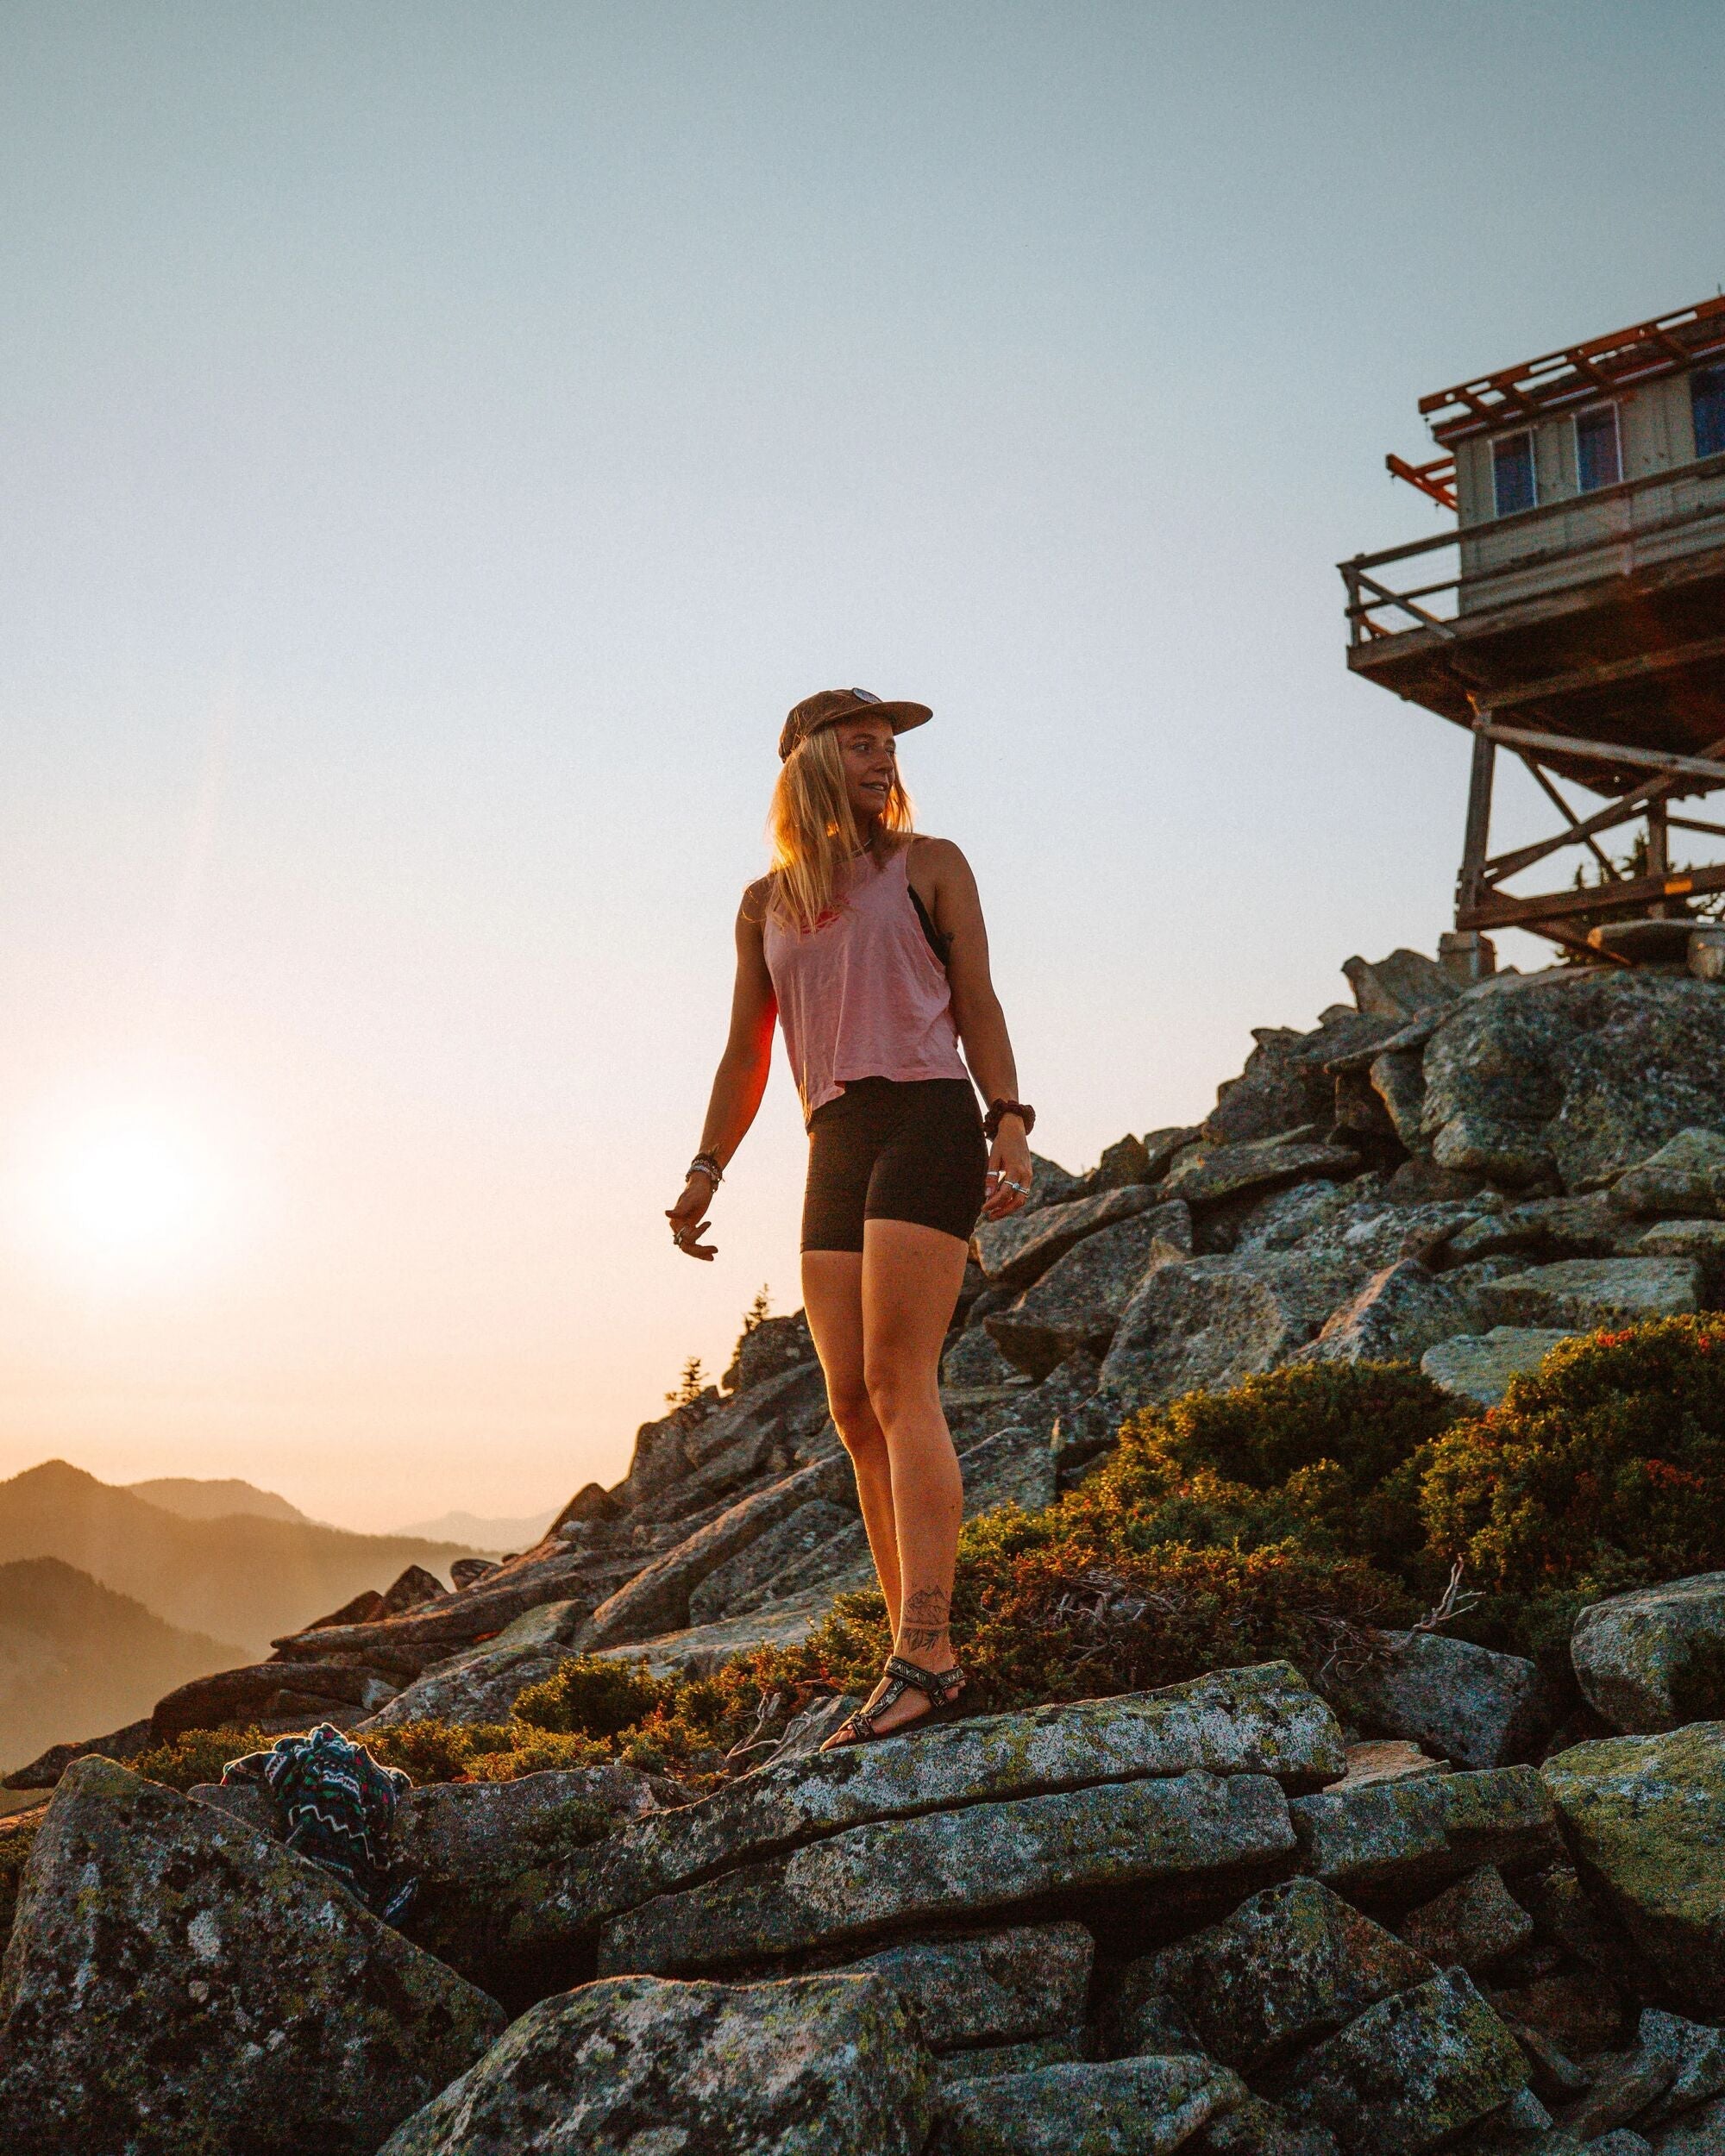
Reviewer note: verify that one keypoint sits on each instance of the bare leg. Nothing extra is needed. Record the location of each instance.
(910, 1281)
(832, 1297)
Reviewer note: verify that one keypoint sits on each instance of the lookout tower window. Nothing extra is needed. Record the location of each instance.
(1512, 473)
(1598, 460)
(1707, 401)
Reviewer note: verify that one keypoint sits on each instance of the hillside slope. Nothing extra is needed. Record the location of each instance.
(193, 1499)
(75, 1656)
(239, 1578)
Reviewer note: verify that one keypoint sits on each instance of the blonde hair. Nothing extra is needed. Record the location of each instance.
(813, 830)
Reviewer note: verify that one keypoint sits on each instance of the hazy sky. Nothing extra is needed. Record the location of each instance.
(440, 442)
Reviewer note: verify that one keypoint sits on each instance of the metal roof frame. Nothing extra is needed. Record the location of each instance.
(1666, 344)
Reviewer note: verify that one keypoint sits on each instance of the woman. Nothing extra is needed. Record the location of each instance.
(867, 943)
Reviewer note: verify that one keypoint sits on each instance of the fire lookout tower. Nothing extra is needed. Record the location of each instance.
(1584, 626)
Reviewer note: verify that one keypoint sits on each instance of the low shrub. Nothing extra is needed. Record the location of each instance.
(1327, 1456)
(1602, 1471)
(595, 1695)
(198, 1756)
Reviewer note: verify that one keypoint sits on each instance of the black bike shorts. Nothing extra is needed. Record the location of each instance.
(894, 1149)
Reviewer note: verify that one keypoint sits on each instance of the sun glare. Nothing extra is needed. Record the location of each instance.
(129, 1194)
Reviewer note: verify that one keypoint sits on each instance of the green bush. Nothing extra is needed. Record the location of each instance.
(1602, 1471)
(198, 1756)
(594, 1696)
(1325, 1455)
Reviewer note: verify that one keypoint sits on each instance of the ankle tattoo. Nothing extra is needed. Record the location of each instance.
(924, 1623)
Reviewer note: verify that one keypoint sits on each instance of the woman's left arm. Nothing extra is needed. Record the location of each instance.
(947, 887)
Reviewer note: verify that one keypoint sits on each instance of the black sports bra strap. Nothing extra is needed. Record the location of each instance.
(939, 944)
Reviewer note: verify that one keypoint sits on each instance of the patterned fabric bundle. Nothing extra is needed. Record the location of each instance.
(335, 1805)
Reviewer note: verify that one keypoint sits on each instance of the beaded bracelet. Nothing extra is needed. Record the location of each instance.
(706, 1164)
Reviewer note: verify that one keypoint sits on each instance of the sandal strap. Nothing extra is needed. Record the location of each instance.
(938, 1686)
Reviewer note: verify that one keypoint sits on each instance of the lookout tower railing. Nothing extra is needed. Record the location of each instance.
(1581, 621)
(1612, 532)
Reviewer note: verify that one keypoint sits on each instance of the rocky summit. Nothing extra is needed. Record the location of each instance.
(1345, 1767)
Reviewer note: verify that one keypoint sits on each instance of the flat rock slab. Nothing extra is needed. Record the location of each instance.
(1703, 1240)
(1013, 1466)
(1411, 2072)
(1646, 1817)
(1290, 1965)
(1686, 1176)
(1078, 1301)
(656, 1601)
(1470, 1704)
(483, 1683)
(266, 1692)
(1215, 1172)
(1018, 1250)
(1473, 1923)
(178, 1982)
(1655, 1658)
(1699, 2134)
(1387, 1759)
(1206, 1322)
(698, 1650)
(1402, 1837)
(818, 1531)
(1556, 1227)
(1398, 1315)
(899, 1873)
(1263, 1720)
(1478, 1366)
(484, 1851)
(820, 2066)
(1002, 1987)
(1698, 2057)
(1258, 2127)
(550, 1574)
(1573, 1068)
(1132, 2107)
(1582, 1293)
(982, 2060)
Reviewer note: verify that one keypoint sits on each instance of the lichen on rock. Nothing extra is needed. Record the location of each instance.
(178, 1984)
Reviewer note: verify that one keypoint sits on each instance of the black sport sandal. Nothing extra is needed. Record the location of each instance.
(943, 1688)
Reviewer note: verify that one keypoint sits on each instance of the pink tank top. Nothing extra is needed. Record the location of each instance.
(861, 995)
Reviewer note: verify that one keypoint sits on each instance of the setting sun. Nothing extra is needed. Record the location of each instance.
(129, 1194)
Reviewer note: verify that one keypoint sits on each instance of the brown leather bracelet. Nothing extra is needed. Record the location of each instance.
(991, 1122)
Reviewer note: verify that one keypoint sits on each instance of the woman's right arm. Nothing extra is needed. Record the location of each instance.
(740, 1078)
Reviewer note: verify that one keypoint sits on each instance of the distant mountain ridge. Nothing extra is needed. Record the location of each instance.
(237, 1577)
(76, 1656)
(195, 1500)
(492, 1535)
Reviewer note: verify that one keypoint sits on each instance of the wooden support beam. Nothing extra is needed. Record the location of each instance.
(1605, 673)
(1659, 851)
(1498, 912)
(1576, 836)
(1619, 811)
(1477, 832)
(1606, 752)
